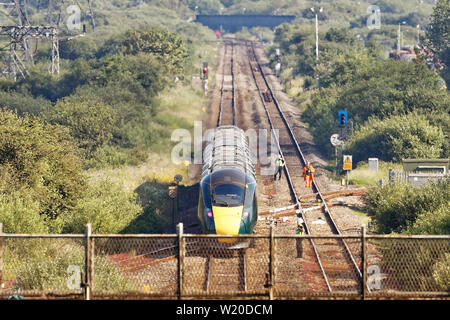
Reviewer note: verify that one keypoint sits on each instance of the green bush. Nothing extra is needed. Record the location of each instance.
(107, 157)
(23, 103)
(396, 208)
(165, 46)
(441, 273)
(395, 138)
(431, 222)
(414, 265)
(91, 123)
(19, 213)
(371, 87)
(106, 206)
(40, 160)
(42, 264)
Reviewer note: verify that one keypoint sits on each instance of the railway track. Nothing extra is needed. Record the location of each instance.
(334, 257)
(217, 270)
(226, 269)
(227, 106)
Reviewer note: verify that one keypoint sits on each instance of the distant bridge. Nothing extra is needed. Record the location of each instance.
(235, 22)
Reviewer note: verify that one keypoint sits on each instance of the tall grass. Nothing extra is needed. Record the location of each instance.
(364, 177)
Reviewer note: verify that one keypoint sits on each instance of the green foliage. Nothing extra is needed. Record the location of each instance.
(395, 138)
(157, 213)
(19, 213)
(437, 37)
(80, 48)
(91, 123)
(40, 160)
(370, 87)
(399, 208)
(106, 206)
(441, 273)
(432, 222)
(362, 176)
(167, 47)
(106, 157)
(40, 264)
(23, 103)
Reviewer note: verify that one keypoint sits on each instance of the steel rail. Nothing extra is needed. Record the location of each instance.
(233, 96)
(326, 209)
(233, 100)
(291, 185)
(219, 119)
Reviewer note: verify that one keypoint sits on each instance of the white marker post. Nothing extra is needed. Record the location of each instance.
(335, 142)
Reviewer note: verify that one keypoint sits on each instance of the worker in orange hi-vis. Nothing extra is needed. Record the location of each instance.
(308, 174)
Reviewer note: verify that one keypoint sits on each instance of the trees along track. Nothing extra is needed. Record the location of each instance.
(221, 262)
(338, 259)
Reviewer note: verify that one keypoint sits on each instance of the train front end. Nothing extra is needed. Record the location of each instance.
(227, 203)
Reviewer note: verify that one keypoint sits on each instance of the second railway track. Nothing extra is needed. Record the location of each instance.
(339, 268)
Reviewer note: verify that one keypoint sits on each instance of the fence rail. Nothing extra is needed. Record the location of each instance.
(186, 266)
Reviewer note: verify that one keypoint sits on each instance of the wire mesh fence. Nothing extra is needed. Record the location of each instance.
(408, 266)
(185, 266)
(41, 267)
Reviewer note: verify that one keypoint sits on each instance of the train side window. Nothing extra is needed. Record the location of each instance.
(249, 192)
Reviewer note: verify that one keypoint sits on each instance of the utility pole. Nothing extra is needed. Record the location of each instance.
(399, 38)
(317, 30)
(317, 40)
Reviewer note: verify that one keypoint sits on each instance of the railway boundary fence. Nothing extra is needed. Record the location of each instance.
(193, 266)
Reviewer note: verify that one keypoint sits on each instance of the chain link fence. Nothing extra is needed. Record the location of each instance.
(186, 266)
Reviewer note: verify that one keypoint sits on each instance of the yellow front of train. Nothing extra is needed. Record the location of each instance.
(227, 220)
(227, 203)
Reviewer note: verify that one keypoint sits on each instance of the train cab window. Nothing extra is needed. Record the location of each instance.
(228, 195)
(228, 188)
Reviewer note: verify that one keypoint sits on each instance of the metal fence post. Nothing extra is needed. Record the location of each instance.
(1, 254)
(181, 252)
(88, 262)
(272, 261)
(364, 263)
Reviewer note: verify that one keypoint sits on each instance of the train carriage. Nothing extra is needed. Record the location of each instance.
(227, 201)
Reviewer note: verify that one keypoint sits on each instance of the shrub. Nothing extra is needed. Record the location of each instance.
(395, 208)
(106, 206)
(107, 157)
(23, 102)
(42, 264)
(40, 160)
(432, 222)
(441, 273)
(91, 123)
(19, 213)
(397, 137)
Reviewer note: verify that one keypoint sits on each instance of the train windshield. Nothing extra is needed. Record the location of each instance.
(228, 188)
(228, 195)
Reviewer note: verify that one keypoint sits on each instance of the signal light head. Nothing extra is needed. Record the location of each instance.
(205, 69)
(210, 214)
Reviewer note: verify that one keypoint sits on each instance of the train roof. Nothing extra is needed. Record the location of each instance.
(227, 149)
